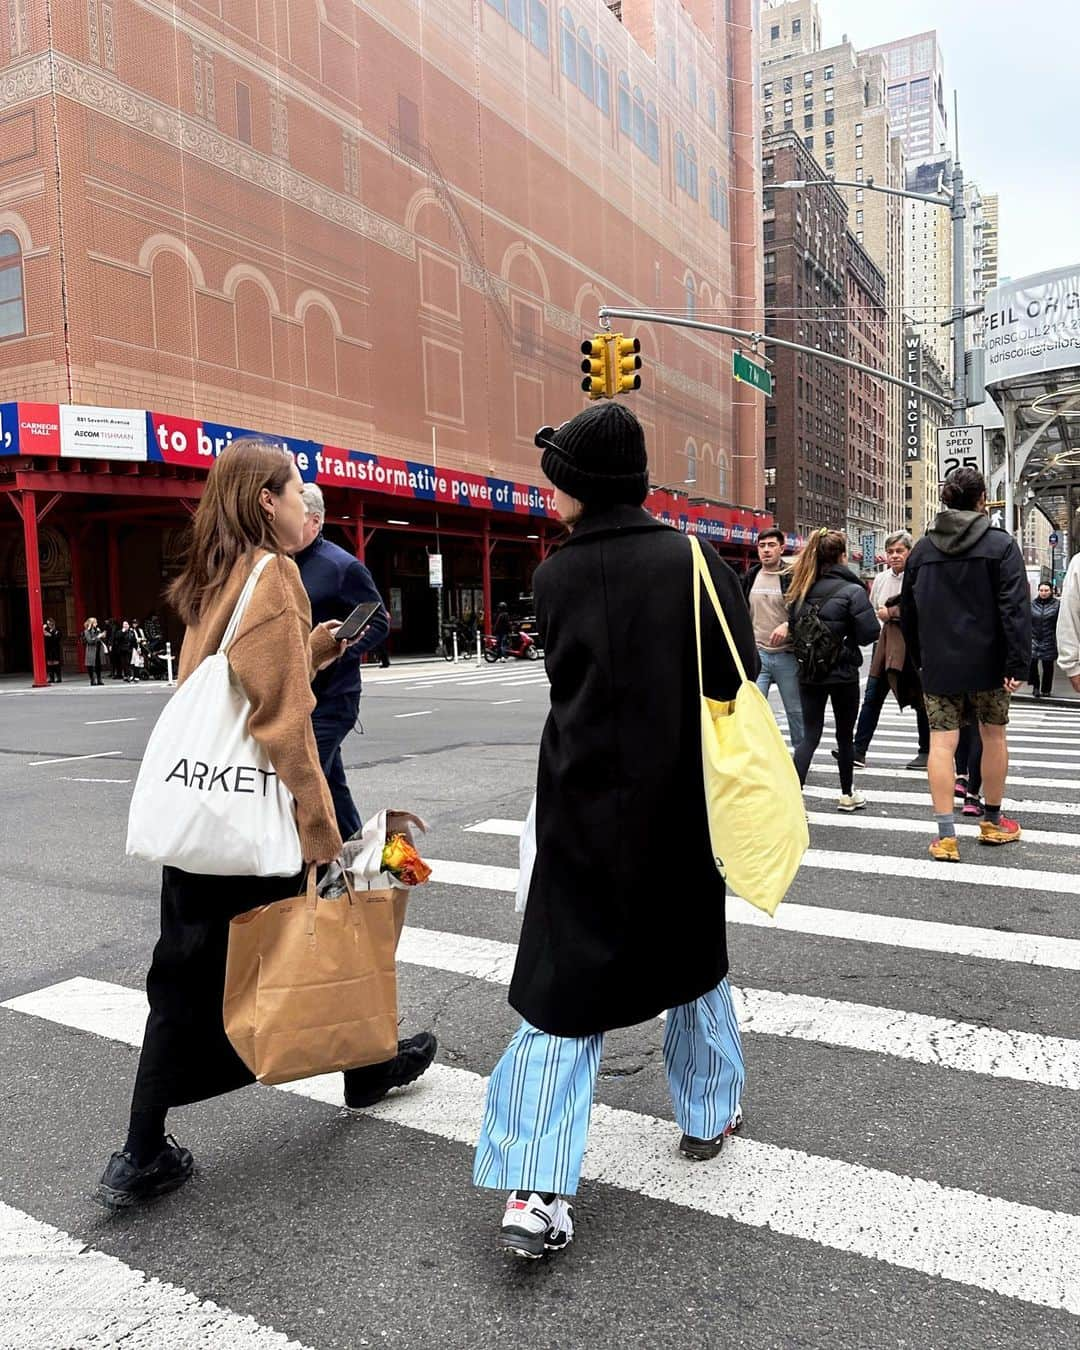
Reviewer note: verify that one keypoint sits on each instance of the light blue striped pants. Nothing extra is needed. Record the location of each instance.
(536, 1118)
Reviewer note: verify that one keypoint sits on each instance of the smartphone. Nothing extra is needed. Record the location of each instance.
(358, 620)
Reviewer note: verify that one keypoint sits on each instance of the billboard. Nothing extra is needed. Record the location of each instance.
(1033, 325)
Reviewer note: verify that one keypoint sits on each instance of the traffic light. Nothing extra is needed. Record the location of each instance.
(627, 364)
(596, 366)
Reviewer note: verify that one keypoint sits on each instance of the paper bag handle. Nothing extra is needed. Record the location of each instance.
(702, 574)
(311, 902)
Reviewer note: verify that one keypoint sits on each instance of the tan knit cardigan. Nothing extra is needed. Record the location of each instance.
(274, 656)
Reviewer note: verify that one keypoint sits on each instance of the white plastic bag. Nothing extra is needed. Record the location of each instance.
(526, 858)
(362, 858)
(207, 798)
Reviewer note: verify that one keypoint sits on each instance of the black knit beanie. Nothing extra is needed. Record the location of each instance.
(599, 457)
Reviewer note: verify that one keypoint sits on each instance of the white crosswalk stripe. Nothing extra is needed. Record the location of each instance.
(1016, 1250)
(985, 1239)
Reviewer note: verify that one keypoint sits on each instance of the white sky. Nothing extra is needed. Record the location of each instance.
(1016, 69)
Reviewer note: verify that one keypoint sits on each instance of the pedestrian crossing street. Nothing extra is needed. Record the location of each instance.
(867, 896)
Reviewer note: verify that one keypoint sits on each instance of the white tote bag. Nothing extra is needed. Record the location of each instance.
(207, 798)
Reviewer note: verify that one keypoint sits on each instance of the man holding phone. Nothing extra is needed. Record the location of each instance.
(336, 584)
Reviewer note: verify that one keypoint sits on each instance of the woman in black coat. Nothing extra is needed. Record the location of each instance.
(625, 912)
(822, 582)
(1044, 650)
(54, 652)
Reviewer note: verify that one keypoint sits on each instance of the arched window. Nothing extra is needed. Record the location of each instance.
(639, 118)
(680, 161)
(586, 80)
(691, 173)
(567, 45)
(626, 117)
(722, 202)
(711, 105)
(691, 462)
(516, 14)
(603, 82)
(652, 133)
(538, 25)
(691, 294)
(723, 476)
(714, 194)
(12, 310)
(691, 86)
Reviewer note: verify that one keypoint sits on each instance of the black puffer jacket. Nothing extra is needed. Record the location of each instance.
(843, 606)
(1044, 617)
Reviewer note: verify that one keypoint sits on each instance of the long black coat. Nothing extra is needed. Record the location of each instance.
(625, 915)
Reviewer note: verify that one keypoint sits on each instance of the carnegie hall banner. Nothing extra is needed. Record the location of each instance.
(70, 432)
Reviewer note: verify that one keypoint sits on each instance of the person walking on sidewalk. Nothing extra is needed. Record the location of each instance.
(54, 652)
(1044, 649)
(890, 667)
(830, 618)
(95, 649)
(765, 587)
(251, 507)
(966, 615)
(1068, 624)
(620, 802)
(336, 582)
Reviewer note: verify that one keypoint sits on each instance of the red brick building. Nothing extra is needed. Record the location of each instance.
(381, 229)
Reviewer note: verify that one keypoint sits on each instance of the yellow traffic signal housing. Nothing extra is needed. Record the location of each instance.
(627, 364)
(597, 366)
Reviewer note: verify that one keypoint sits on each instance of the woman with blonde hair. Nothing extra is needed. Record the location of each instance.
(830, 618)
(251, 509)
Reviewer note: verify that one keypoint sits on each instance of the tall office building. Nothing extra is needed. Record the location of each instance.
(835, 99)
(990, 240)
(928, 257)
(916, 94)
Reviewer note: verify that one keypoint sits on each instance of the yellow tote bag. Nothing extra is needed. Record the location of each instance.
(757, 822)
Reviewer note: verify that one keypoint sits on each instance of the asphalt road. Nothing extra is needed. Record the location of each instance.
(909, 1171)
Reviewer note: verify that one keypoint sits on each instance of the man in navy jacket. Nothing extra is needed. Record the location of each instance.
(336, 583)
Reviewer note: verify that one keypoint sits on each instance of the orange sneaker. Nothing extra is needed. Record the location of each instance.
(945, 850)
(1006, 831)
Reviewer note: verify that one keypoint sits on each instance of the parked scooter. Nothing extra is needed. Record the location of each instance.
(522, 646)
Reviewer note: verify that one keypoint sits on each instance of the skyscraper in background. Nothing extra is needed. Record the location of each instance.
(990, 240)
(916, 94)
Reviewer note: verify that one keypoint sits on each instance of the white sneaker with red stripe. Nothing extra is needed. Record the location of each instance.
(532, 1226)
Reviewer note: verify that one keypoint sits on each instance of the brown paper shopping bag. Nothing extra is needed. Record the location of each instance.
(311, 985)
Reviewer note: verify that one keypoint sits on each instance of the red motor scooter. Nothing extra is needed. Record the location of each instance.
(520, 645)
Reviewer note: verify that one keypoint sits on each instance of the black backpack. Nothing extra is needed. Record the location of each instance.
(817, 648)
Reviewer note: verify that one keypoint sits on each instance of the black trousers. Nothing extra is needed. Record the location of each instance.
(845, 705)
(333, 719)
(1047, 674)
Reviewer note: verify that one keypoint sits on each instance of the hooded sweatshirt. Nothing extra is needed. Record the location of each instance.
(965, 607)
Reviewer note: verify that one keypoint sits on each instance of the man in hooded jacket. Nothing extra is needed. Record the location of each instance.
(966, 617)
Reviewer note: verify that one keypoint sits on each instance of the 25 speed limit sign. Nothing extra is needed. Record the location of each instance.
(960, 447)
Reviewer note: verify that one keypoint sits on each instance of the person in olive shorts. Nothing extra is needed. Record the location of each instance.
(966, 616)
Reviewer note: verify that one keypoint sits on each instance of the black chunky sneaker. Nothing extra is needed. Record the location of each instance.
(370, 1084)
(124, 1184)
(703, 1150)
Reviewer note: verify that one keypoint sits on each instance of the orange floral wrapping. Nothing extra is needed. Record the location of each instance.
(402, 860)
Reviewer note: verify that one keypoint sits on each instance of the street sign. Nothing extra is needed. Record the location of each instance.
(434, 569)
(960, 447)
(1054, 539)
(745, 370)
(869, 549)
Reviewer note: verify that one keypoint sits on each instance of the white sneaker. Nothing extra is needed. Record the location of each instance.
(855, 802)
(531, 1227)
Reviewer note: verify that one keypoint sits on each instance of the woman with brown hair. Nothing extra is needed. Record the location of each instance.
(830, 619)
(251, 507)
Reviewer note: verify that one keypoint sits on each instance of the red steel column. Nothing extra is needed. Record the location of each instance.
(358, 528)
(33, 586)
(485, 564)
(115, 602)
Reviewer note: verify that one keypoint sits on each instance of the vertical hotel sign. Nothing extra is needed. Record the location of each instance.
(912, 402)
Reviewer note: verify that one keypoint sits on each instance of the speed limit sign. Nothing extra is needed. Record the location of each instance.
(960, 448)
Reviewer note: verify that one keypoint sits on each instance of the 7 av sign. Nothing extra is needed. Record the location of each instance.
(960, 447)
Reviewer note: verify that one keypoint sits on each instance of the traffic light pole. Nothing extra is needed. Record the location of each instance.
(677, 321)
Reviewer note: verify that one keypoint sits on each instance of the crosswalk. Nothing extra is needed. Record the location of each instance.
(809, 982)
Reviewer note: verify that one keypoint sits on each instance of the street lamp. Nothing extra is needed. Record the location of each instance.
(954, 201)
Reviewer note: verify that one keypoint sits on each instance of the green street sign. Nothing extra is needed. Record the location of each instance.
(745, 370)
